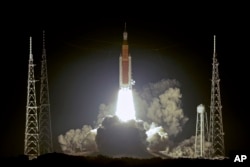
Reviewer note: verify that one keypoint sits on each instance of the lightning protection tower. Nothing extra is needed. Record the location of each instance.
(31, 141)
(201, 135)
(216, 136)
(45, 132)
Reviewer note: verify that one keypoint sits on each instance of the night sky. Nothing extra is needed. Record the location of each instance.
(83, 52)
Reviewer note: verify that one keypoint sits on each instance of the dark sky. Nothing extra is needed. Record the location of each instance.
(83, 48)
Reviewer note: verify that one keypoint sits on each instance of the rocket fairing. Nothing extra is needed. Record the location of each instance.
(125, 64)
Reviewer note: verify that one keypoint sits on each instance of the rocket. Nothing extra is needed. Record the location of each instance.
(125, 64)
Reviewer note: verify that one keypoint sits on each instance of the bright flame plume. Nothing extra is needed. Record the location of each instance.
(125, 105)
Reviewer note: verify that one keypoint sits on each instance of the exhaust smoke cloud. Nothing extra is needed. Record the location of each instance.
(159, 119)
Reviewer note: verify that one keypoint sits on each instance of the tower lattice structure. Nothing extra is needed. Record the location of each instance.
(45, 131)
(31, 141)
(216, 136)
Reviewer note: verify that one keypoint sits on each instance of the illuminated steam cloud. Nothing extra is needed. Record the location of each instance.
(186, 148)
(161, 103)
(155, 89)
(160, 107)
(159, 118)
(183, 149)
(157, 138)
(79, 141)
(166, 111)
(104, 110)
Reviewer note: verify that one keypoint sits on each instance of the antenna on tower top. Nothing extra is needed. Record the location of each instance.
(43, 39)
(44, 50)
(31, 56)
(125, 27)
(214, 45)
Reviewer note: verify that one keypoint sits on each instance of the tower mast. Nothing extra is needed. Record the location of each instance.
(216, 136)
(45, 132)
(31, 145)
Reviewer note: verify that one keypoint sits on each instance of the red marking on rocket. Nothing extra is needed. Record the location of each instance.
(125, 64)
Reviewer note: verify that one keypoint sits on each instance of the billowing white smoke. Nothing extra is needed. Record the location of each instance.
(166, 111)
(156, 89)
(104, 110)
(158, 108)
(79, 141)
(83, 141)
(157, 138)
(186, 149)
(162, 103)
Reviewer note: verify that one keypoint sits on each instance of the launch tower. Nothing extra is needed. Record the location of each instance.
(31, 141)
(216, 134)
(45, 132)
